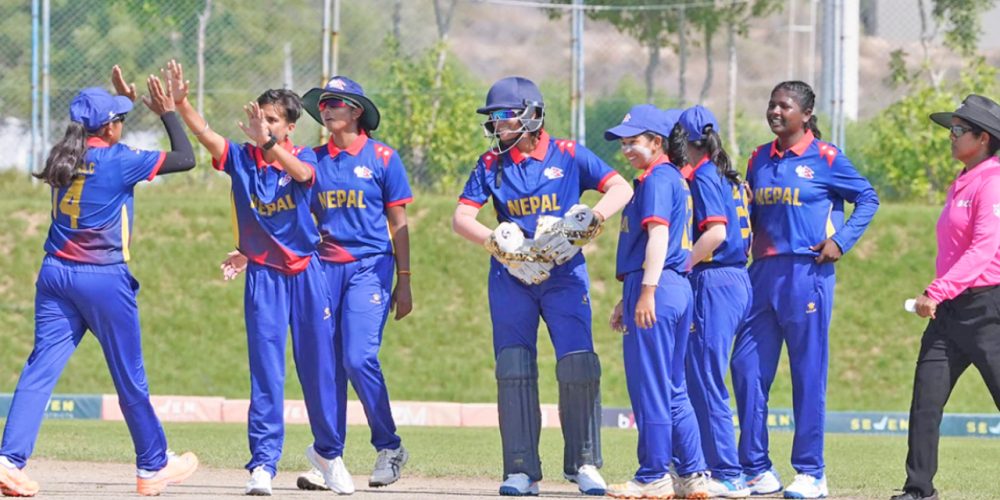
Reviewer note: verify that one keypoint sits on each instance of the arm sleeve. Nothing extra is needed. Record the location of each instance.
(656, 200)
(474, 193)
(855, 188)
(709, 201)
(594, 173)
(982, 250)
(396, 188)
(180, 158)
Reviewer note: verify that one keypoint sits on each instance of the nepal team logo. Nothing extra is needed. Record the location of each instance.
(553, 172)
(335, 83)
(804, 172)
(284, 180)
(363, 172)
(628, 116)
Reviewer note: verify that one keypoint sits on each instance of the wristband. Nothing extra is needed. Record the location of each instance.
(404, 272)
(269, 144)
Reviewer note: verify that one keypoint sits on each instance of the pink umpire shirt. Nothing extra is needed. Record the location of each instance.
(968, 233)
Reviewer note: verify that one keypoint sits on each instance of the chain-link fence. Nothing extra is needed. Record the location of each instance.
(428, 63)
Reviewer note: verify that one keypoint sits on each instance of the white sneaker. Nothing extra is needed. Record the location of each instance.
(692, 486)
(662, 488)
(311, 481)
(728, 488)
(765, 483)
(519, 485)
(259, 484)
(388, 467)
(334, 472)
(806, 486)
(589, 480)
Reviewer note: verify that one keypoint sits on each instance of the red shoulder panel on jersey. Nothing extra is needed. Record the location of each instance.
(828, 152)
(384, 152)
(566, 146)
(488, 158)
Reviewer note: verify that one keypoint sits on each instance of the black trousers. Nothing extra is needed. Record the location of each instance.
(965, 332)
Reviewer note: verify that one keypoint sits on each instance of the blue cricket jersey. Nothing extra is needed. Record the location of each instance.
(661, 196)
(718, 200)
(354, 188)
(92, 217)
(272, 221)
(798, 198)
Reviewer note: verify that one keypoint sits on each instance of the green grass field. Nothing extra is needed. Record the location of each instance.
(194, 338)
(857, 466)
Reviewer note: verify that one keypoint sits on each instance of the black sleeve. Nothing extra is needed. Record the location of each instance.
(180, 158)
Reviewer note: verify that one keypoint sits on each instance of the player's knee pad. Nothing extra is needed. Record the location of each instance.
(579, 376)
(519, 411)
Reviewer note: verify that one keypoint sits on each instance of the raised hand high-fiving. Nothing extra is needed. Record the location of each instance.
(255, 128)
(174, 79)
(121, 86)
(160, 100)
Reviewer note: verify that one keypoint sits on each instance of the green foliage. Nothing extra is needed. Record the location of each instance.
(438, 145)
(962, 18)
(904, 153)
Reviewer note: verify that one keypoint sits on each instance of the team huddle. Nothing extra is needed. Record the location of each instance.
(321, 234)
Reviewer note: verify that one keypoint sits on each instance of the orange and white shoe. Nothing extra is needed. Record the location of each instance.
(14, 482)
(661, 489)
(179, 468)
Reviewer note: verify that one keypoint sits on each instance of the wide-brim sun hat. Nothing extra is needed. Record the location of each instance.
(94, 107)
(977, 110)
(347, 89)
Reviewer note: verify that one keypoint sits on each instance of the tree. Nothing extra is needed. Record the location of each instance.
(649, 22)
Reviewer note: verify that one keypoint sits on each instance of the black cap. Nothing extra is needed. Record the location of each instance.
(977, 110)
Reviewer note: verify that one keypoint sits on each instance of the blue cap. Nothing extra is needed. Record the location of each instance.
(94, 107)
(671, 116)
(639, 119)
(512, 92)
(695, 119)
(343, 87)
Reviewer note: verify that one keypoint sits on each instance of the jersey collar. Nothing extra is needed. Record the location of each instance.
(97, 142)
(976, 172)
(539, 153)
(353, 149)
(663, 159)
(258, 154)
(798, 148)
(688, 171)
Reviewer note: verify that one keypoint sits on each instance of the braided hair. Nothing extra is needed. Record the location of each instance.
(804, 96)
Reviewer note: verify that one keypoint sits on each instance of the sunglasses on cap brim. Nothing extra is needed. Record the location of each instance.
(336, 102)
(119, 118)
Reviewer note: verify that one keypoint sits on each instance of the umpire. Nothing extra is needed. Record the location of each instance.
(963, 301)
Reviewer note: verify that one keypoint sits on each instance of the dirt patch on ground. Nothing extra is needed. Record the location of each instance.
(60, 479)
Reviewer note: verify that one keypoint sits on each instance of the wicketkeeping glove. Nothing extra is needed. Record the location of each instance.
(508, 244)
(559, 240)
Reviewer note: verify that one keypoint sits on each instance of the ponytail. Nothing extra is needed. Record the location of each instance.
(677, 146)
(65, 158)
(712, 144)
(811, 125)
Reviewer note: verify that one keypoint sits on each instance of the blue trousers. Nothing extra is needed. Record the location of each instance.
(792, 304)
(71, 298)
(654, 372)
(563, 301)
(361, 292)
(721, 304)
(273, 300)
